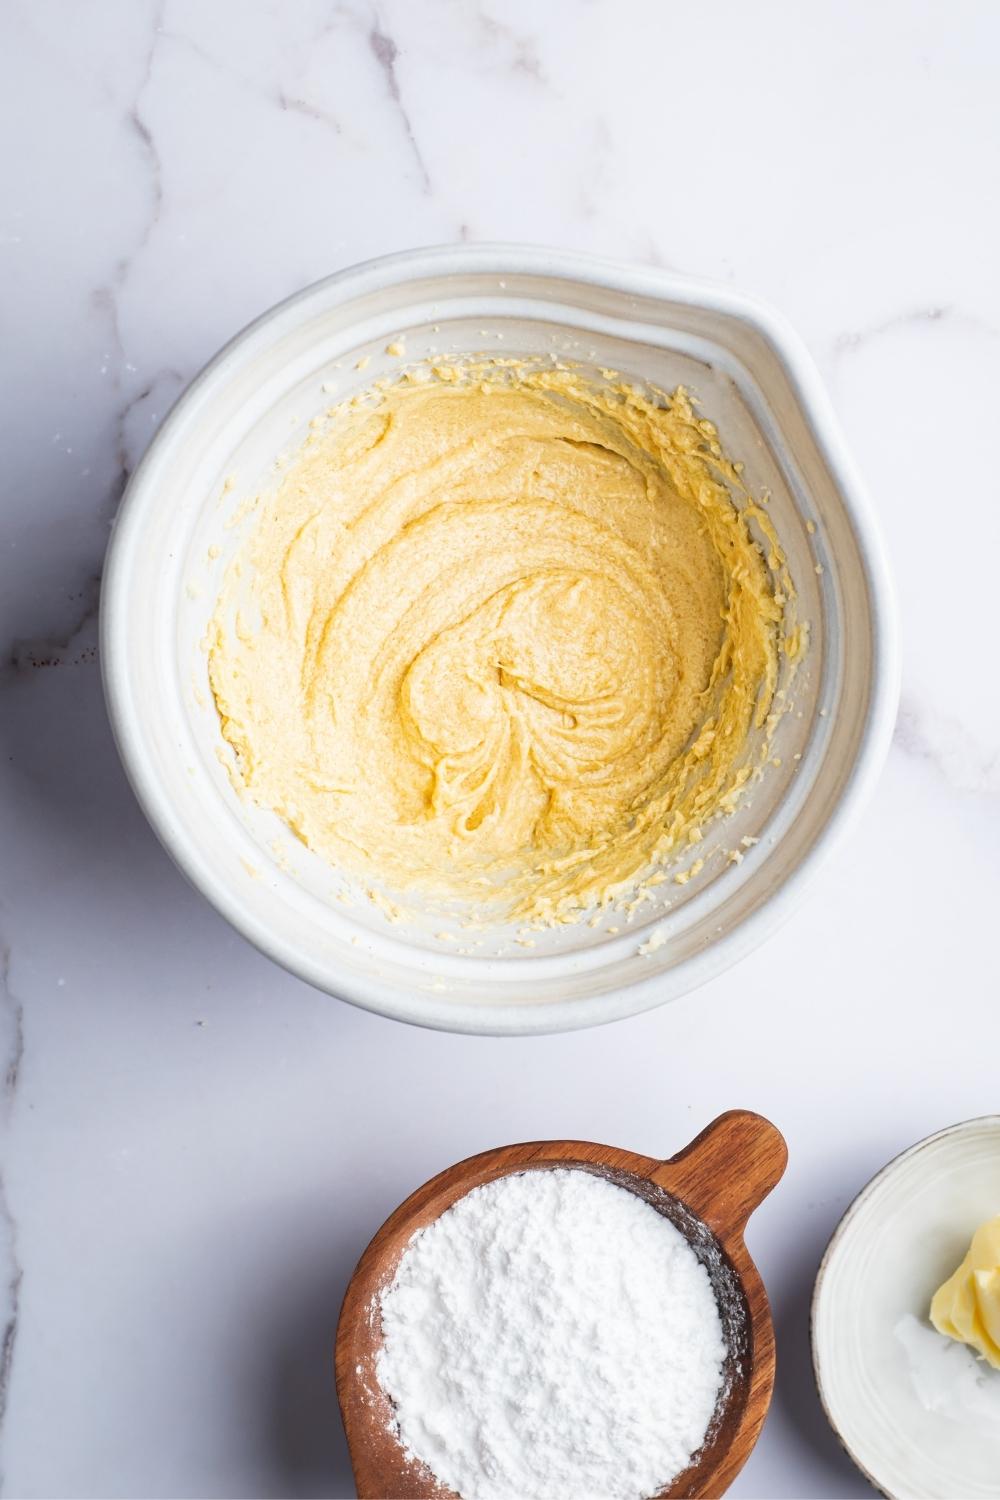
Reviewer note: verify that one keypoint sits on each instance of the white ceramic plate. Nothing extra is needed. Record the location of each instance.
(918, 1413)
(184, 518)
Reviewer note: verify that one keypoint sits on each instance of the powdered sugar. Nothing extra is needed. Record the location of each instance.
(551, 1337)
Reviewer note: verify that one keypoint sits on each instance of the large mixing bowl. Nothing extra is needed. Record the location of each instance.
(187, 511)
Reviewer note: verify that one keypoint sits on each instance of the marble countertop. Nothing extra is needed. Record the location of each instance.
(195, 1146)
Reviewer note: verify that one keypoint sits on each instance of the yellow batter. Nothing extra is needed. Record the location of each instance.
(501, 636)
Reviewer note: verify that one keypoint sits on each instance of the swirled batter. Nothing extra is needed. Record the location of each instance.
(501, 635)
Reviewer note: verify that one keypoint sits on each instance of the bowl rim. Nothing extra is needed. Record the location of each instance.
(515, 1016)
(833, 1245)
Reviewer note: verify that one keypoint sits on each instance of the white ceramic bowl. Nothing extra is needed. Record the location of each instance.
(918, 1413)
(180, 524)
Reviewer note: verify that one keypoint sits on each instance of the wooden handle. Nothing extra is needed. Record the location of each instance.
(727, 1170)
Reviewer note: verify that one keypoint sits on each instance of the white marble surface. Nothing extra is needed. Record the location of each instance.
(195, 1147)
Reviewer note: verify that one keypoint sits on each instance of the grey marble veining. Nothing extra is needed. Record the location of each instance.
(194, 1147)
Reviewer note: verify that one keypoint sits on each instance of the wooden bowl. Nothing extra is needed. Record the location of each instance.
(708, 1191)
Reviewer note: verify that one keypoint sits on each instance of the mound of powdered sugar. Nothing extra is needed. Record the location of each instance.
(551, 1337)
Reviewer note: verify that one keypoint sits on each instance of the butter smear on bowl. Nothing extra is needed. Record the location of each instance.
(967, 1306)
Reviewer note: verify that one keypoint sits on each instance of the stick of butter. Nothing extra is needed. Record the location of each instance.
(967, 1306)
